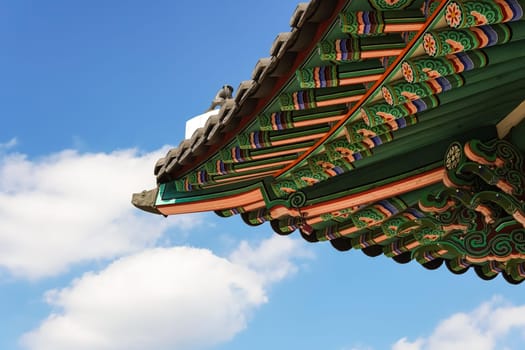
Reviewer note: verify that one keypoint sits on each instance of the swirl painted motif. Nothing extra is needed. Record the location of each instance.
(481, 212)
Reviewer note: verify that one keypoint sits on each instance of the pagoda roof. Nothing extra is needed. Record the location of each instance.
(390, 126)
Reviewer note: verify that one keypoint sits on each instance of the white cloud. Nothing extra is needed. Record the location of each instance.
(485, 328)
(8, 145)
(163, 298)
(271, 258)
(404, 344)
(70, 207)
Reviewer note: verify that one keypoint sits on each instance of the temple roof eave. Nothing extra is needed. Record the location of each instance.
(362, 151)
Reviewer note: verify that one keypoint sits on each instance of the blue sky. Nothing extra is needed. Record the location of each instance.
(91, 94)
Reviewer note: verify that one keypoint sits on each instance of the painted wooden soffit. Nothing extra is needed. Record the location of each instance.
(341, 135)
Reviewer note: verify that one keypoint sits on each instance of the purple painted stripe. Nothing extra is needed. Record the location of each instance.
(468, 64)
(366, 21)
(279, 121)
(401, 123)
(387, 205)
(343, 49)
(395, 248)
(415, 212)
(420, 105)
(322, 77)
(517, 11)
(444, 83)
(236, 153)
(491, 35)
(300, 99)
(363, 242)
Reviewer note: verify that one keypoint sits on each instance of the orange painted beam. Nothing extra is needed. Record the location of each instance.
(221, 203)
(366, 197)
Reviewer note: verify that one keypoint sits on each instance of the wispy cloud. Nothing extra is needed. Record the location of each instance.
(484, 328)
(164, 298)
(272, 258)
(8, 145)
(73, 207)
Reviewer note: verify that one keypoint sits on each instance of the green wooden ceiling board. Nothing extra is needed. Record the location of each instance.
(403, 16)
(327, 94)
(434, 132)
(508, 52)
(312, 115)
(298, 132)
(266, 171)
(263, 151)
(392, 166)
(359, 73)
(169, 195)
(474, 93)
(432, 120)
(269, 162)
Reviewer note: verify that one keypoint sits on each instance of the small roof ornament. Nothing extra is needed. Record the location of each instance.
(225, 93)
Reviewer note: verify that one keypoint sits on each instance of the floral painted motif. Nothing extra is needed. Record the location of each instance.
(387, 96)
(453, 15)
(453, 156)
(429, 44)
(391, 2)
(407, 72)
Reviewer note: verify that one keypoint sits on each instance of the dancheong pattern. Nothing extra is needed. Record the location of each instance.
(402, 91)
(450, 41)
(340, 134)
(427, 68)
(464, 14)
(480, 215)
(362, 22)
